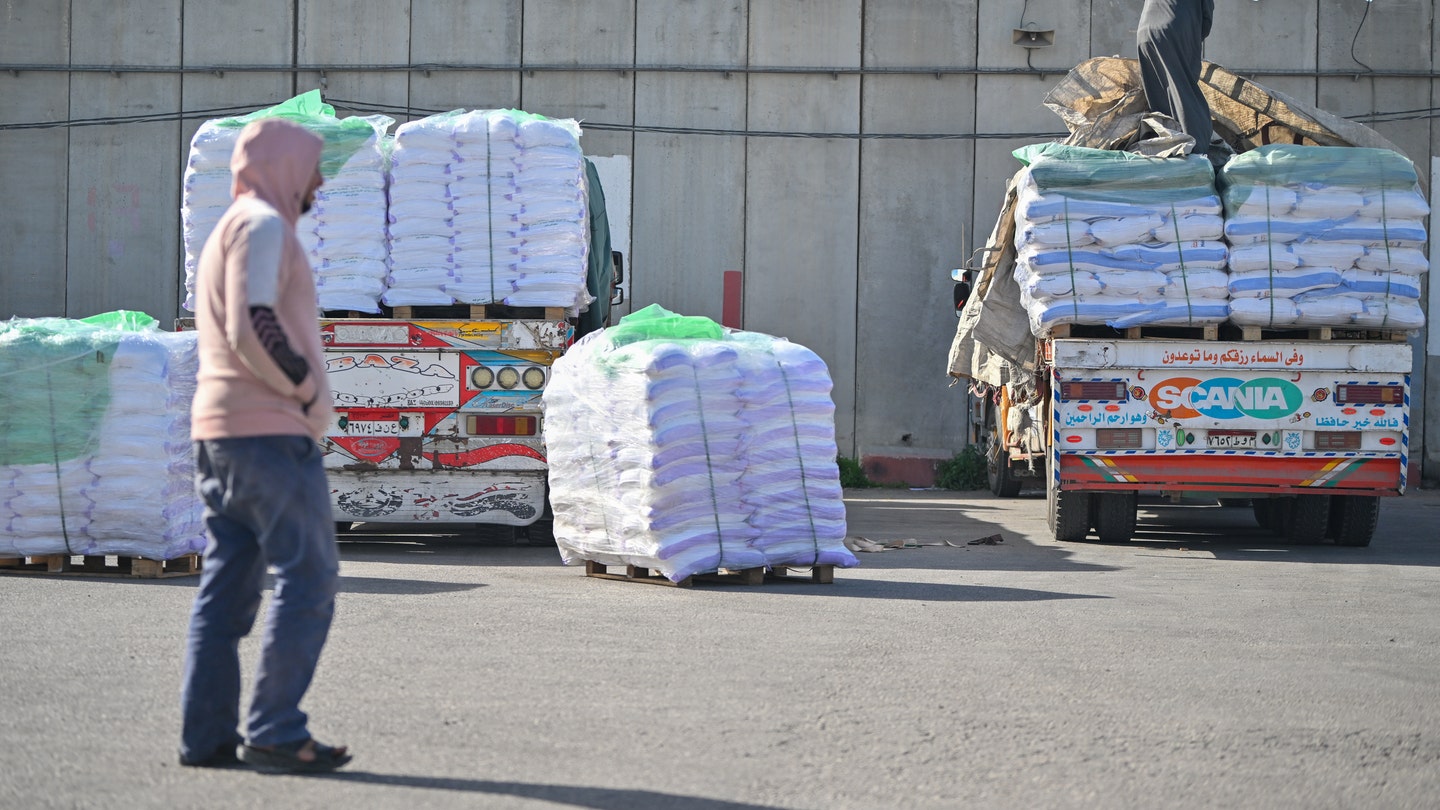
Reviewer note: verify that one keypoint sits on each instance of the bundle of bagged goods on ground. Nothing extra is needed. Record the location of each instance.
(1312, 236)
(344, 232)
(681, 447)
(470, 207)
(1324, 236)
(95, 452)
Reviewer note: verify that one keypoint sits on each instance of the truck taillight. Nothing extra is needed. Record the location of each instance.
(501, 425)
(1352, 394)
(1103, 391)
(1118, 438)
(1337, 440)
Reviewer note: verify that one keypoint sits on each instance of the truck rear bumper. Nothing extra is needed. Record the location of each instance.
(504, 497)
(1270, 474)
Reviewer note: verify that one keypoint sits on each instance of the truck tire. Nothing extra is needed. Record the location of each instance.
(1353, 519)
(1068, 512)
(1114, 516)
(1272, 513)
(1307, 519)
(997, 470)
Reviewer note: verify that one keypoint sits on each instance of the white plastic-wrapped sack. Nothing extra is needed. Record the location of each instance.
(1106, 237)
(344, 232)
(1336, 232)
(488, 207)
(679, 447)
(95, 452)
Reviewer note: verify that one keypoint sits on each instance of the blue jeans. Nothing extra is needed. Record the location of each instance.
(267, 504)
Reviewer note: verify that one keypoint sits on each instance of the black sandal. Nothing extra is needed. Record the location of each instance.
(285, 758)
(223, 757)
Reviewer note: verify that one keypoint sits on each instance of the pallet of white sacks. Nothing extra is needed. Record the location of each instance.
(100, 565)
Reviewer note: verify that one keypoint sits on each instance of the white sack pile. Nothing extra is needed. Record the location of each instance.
(488, 207)
(1106, 237)
(95, 452)
(679, 447)
(343, 234)
(1325, 236)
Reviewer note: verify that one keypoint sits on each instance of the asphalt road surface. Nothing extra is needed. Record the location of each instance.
(1203, 664)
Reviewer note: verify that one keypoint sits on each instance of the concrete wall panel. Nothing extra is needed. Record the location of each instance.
(330, 32)
(689, 192)
(122, 250)
(33, 162)
(912, 230)
(33, 167)
(802, 194)
(689, 196)
(483, 33)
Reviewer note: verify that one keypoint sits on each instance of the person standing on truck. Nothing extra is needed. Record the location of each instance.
(261, 402)
(1169, 39)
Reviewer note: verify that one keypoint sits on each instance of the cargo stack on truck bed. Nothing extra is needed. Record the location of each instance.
(1142, 325)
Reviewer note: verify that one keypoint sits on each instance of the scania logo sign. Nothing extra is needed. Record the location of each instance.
(1226, 398)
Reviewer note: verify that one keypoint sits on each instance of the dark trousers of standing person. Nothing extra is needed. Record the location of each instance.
(1169, 39)
(267, 505)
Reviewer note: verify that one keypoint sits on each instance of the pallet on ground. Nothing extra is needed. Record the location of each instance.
(102, 565)
(824, 574)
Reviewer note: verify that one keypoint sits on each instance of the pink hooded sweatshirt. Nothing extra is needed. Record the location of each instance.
(241, 390)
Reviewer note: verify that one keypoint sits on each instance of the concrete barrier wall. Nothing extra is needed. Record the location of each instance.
(841, 241)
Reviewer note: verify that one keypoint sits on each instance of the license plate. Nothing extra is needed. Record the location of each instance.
(1230, 441)
(404, 425)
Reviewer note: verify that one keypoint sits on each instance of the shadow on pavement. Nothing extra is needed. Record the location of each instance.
(849, 587)
(409, 587)
(574, 796)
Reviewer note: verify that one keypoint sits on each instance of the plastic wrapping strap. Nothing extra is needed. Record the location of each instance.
(1184, 277)
(1070, 257)
(598, 467)
(59, 479)
(709, 467)
(489, 211)
(1389, 262)
(800, 459)
(1270, 254)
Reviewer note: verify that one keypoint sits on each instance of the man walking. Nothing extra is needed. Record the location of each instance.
(261, 403)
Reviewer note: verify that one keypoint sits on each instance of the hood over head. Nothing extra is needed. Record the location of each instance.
(277, 161)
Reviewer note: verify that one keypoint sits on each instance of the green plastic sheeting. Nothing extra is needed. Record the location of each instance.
(55, 383)
(1333, 166)
(658, 323)
(343, 136)
(1079, 172)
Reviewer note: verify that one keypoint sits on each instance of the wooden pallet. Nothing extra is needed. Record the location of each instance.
(819, 574)
(823, 574)
(741, 576)
(478, 312)
(102, 565)
(1257, 333)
